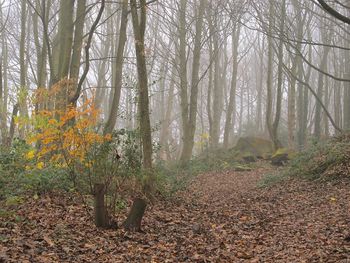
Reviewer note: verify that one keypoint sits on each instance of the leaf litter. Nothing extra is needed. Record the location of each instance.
(221, 217)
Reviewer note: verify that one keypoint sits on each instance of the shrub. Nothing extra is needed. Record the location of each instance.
(323, 159)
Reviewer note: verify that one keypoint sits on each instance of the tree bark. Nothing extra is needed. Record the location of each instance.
(117, 85)
(63, 52)
(134, 219)
(346, 99)
(190, 127)
(165, 127)
(269, 83)
(139, 26)
(77, 43)
(23, 92)
(12, 125)
(217, 89)
(231, 110)
(296, 63)
(101, 216)
(320, 87)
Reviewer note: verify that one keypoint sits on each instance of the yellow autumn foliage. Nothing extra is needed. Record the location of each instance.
(67, 138)
(30, 155)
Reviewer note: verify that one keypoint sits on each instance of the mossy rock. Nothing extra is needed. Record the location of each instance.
(249, 158)
(256, 147)
(242, 168)
(282, 156)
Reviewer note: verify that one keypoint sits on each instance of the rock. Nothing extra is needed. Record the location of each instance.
(282, 156)
(279, 160)
(249, 158)
(251, 148)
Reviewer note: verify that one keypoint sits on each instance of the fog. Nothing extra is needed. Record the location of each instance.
(215, 70)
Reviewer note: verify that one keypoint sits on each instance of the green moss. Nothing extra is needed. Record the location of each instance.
(242, 168)
(14, 200)
(285, 151)
(254, 146)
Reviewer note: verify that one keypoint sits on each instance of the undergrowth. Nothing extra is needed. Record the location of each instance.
(328, 160)
(176, 176)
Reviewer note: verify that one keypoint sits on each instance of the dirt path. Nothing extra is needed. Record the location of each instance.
(222, 217)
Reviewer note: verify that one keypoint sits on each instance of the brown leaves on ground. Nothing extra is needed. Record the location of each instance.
(222, 217)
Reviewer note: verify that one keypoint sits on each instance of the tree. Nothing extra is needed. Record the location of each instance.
(118, 70)
(231, 110)
(62, 51)
(323, 67)
(333, 12)
(22, 91)
(189, 103)
(133, 222)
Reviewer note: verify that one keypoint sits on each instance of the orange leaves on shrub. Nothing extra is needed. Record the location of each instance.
(67, 138)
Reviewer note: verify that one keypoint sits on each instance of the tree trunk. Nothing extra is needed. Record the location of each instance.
(118, 73)
(41, 49)
(190, 128)
(183, 70)
(12, 125)
(4, 85)
(212, 56)
(102, 76)
(303, 103)
(276, 142)
(231, 110)
(259, 107)
(346, 100)
(320, 89)
(77, 45)
(217, 89)
(22, 97)
(165, 127)
(101, 216)
(269, 83)
(134, 219)
(63, 52)
(3, 124)
(139, 26)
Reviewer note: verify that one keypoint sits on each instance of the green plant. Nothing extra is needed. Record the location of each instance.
(48, 179)
(12, 160)
(322, 159)
(271, 179)
(172, 178)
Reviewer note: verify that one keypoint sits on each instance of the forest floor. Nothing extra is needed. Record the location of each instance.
(221, 217)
